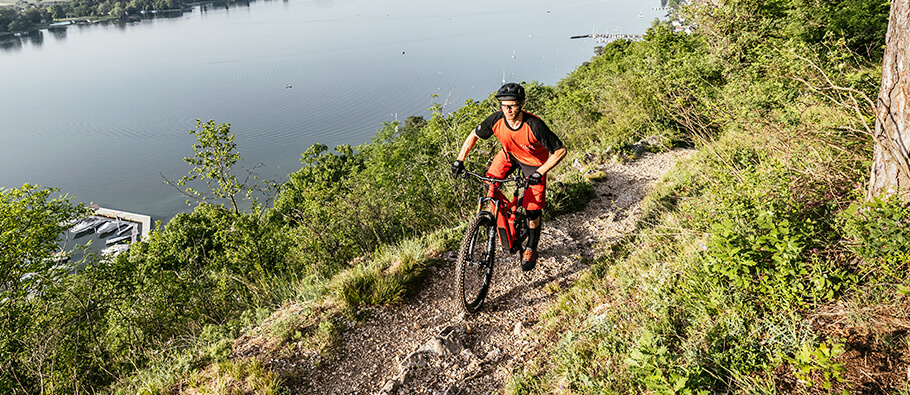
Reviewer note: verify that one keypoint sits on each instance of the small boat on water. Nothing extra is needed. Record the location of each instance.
(88, 224)
(127, 227)
(108, 227)
(115, 250)
(60, 257)
(117, 239)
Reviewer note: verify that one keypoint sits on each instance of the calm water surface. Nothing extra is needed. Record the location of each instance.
(102, 111)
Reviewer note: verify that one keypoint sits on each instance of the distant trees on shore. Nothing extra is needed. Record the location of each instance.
(30, 17)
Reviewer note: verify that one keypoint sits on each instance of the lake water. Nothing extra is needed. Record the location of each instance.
(102, 111)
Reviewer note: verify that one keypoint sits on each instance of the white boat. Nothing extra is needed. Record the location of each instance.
(60, 257)
(86, 225)
(108, 227)
(126, 227)
(117, 239)
(115, 250)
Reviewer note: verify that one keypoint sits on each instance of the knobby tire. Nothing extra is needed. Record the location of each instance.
(474, 267)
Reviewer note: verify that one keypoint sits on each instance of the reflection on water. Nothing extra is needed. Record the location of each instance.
(12, 44)
(15, 42)
(58, 33)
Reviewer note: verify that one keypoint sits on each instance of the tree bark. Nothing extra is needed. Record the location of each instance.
(890, 159)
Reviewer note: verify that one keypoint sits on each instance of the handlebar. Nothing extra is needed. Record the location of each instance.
(518, 180)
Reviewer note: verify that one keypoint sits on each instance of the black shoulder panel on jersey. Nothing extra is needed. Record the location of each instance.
(543, 133)
(485, 129)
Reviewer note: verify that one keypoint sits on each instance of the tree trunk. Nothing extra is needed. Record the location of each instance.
(890, 159)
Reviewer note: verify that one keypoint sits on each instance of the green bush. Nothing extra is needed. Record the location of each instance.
(877, 231)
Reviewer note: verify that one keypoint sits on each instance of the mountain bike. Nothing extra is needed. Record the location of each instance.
(496, 215)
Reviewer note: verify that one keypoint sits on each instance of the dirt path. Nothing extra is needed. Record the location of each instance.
(489, 345)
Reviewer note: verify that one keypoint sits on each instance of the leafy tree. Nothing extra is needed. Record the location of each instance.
(7, 16)
(56, 11)
(213, 163)
(31, 222)
(34, 14)
(20, 25)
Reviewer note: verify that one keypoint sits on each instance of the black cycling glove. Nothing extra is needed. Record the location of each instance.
(535, 178)
(457, 168)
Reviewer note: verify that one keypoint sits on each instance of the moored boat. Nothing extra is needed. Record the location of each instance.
(115, 250)
(108, 227)
(88, 224)
(117, 239)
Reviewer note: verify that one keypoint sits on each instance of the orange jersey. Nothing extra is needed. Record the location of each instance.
(532, 143)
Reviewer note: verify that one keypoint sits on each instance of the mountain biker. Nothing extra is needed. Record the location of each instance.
(528, 144)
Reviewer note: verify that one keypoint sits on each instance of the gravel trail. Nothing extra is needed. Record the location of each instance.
(396, 350)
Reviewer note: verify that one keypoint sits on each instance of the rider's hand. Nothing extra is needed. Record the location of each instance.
(535, 178)
(457, 168)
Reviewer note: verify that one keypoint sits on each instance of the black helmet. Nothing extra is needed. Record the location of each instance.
(511, 91)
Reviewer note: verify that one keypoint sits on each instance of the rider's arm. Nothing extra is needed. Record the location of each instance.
(553, 160)
(468, 145)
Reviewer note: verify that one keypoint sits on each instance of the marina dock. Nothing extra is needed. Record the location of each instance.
(144, 220)
(606, 38)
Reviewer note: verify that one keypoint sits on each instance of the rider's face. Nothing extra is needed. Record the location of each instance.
(510, 108)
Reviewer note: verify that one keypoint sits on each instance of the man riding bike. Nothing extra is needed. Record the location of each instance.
(528, 144)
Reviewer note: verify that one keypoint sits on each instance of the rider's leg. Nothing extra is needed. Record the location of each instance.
(534, 202)
(533, 229)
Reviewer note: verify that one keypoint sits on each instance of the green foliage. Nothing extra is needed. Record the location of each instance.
(213, 162)
(207, 267)
(386, 279)
(655, 368)
(31, 223)
(811, 361)
(704, 297)
(310, 328)
(15, 19)
(862, 23)
(741, 240)
(633, 90)
(759, 240)
(526, 382)
(348, 203)
(764, 261)
(310, 200)
(113, 315)
(235, 376)
(876, 231)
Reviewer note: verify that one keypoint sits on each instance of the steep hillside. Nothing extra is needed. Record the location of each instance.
(424, 346)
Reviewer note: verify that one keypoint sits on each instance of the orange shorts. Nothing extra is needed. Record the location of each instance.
(503, 165)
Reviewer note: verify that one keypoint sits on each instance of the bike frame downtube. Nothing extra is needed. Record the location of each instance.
(502, 208)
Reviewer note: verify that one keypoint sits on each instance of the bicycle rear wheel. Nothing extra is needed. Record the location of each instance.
(474, 268)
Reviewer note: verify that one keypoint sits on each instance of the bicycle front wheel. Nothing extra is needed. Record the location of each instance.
(474, 268)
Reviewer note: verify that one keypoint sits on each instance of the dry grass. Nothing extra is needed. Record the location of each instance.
(245, 376)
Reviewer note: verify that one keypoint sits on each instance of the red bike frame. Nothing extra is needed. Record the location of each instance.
(510, 219)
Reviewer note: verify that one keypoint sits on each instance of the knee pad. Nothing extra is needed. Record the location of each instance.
(534, 214)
